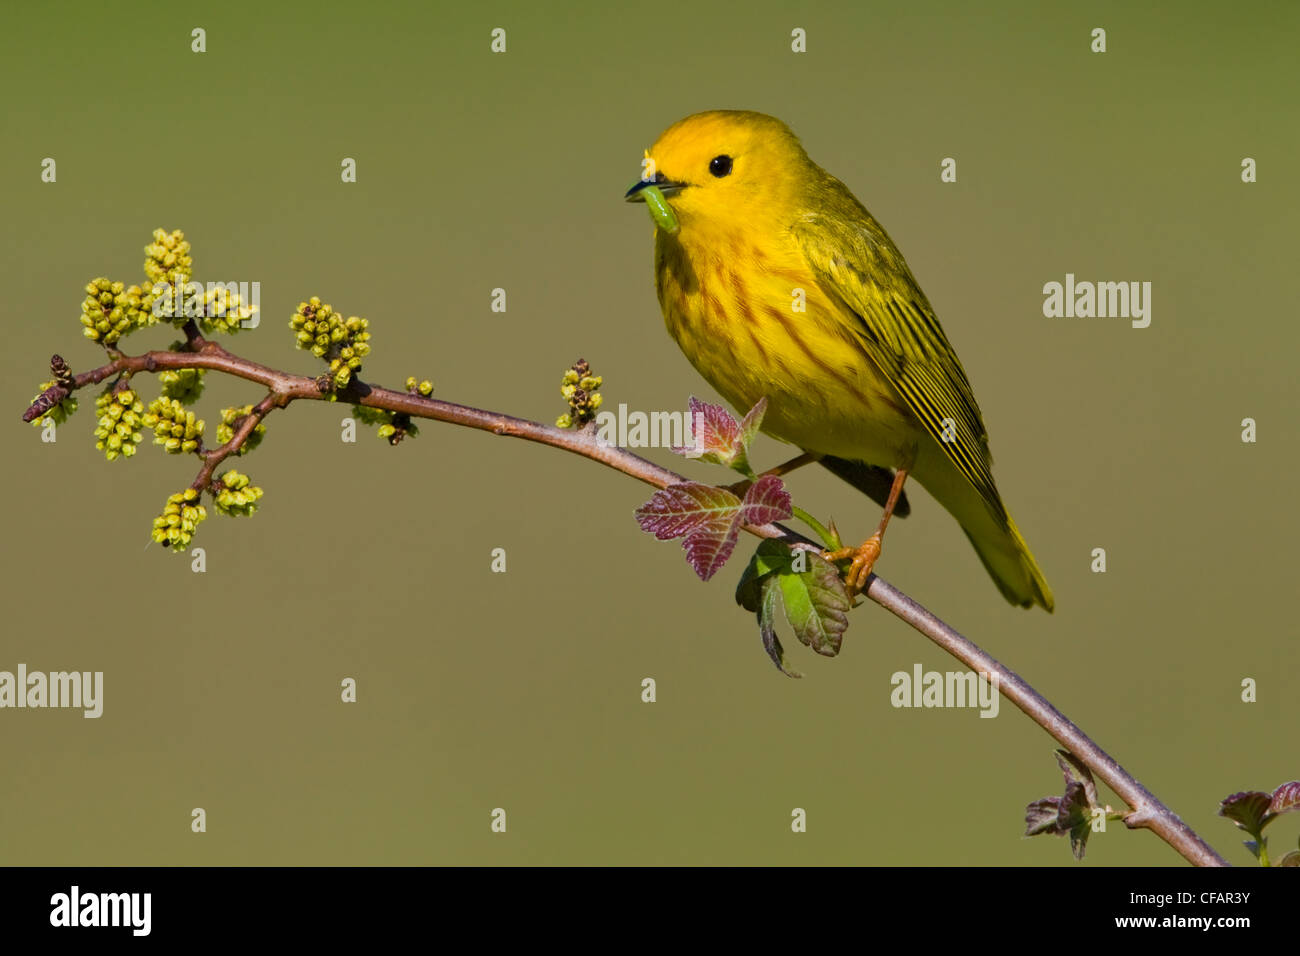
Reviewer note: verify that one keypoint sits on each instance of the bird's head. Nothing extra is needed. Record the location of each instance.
(724, 166)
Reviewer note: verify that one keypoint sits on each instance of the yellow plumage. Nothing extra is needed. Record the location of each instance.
(778, 283)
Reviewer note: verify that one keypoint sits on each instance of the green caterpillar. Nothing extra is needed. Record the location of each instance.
(660, 211)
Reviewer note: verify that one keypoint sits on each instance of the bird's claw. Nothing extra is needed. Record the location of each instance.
(864, 558)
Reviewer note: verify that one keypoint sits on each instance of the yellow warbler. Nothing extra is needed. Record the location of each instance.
(776, 282)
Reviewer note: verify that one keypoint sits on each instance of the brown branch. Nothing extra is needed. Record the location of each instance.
(1146, 811)
(247, 425)
(283, 388)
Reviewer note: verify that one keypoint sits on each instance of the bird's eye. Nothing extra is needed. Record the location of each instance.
(720, 166)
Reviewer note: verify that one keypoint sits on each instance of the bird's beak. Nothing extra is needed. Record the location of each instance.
(666, 186)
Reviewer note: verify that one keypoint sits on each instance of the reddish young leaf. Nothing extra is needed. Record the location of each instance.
(715, 431)
(1076, 771)
(710, 518)
(1071, 813)
(1248, 809)
(1285, 798)
(1042, 816)
(680, 509)
(750, 423)
(719, 438)
(708, 547)
(766, 501)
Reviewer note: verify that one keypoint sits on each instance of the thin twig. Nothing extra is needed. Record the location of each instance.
(1146, 812)
(247, 425)
(284, 388)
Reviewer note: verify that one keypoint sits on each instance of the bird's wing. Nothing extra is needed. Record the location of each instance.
(889, 317)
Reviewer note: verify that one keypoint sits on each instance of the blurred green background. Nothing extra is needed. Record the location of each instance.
(522, 690)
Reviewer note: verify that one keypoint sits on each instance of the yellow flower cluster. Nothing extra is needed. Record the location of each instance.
(341, 342)
(235, 496)
(175, 527)
(174, 427)
(117, 423)
(113, 309)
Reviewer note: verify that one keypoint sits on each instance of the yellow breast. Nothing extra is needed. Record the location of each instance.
(756, 324)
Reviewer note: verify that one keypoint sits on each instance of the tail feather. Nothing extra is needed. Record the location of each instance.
(1012, 567)
(996, 540)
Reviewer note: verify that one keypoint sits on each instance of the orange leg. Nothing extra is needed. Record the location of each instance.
(865, 555)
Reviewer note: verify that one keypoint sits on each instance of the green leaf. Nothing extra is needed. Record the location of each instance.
(749, 591)
(770, 556)
(816, 603)
(771, 599)
(759, 592)
(814, 600)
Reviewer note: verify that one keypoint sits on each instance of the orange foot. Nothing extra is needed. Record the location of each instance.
(864, 559)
